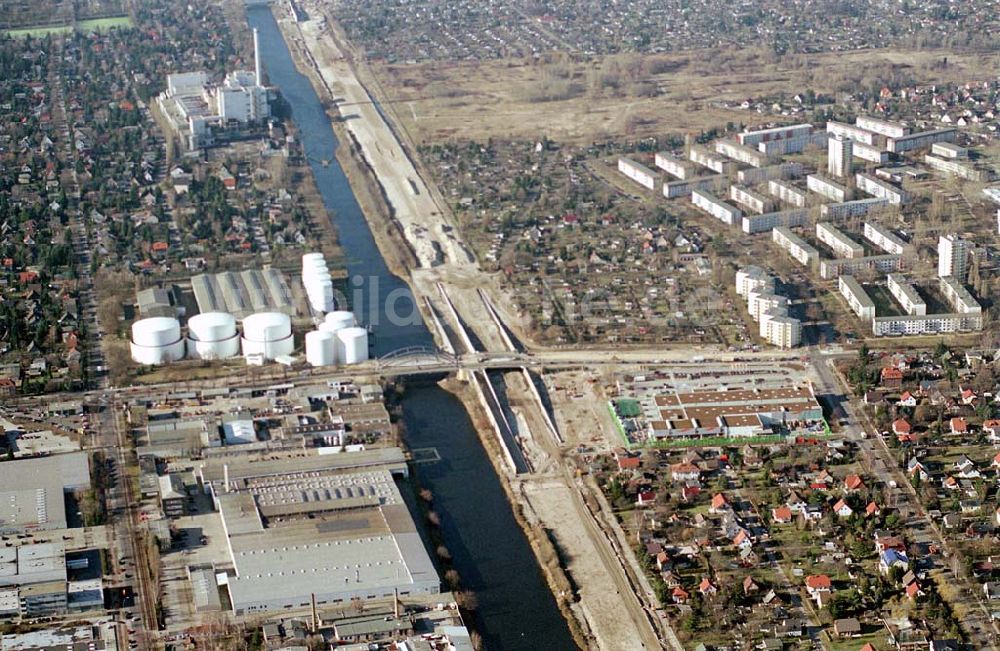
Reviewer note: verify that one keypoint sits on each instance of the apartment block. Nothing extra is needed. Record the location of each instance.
(830, 269)
(827, 188)
(953, 256)
(961, 168)
(880, 189)
(949, 150)
(861, 304)
(715, 207)
(834, 238)
(781, 330)
(753, 279)
(959, 297)
(857, 134)
(883, 238)
(758, 175)
(674, 166)
(898, 145)
(760, 302)
(839, 157)
(926, 324)
(761, 223)
(638, 173)
(883, 127)
(752, 201)
(799, 249)
(709, 160)
(856, 208)
(741, 153)
(906, 295)
(753, 138)
(674, 189)
(870, 153)
(785, 191)
(794, 145)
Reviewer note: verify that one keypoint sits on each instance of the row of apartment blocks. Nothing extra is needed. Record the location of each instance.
(882, 136)
(800, 250)
(768, 309)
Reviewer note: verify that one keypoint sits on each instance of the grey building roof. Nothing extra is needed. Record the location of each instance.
(31, 490)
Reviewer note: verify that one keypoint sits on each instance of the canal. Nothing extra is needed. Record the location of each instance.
(516, 610)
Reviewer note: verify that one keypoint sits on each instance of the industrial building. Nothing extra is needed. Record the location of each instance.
(34, 582)
(798, 248)
(882, 127)
(880, 189)
(856, 208)
(713, 162)
(785, 191)
(674, 166)
(753, 279)
(327, 527)
(953, 256)
(243, 293)
(920, 140)
(33, 491)
(715, 207)
(734, 412)
(960, 167)
(839, 157)
(842, 245)
(758, 175)
(638, 173)
(194, 108)
(827, 188)
(754, 138)
(741, 153)
(830, 269)
(172, 495)
(926, 324)
(883, 238)
(861, 304)
(767, 221)
(959, 297)
(906, 295)
(752, 201)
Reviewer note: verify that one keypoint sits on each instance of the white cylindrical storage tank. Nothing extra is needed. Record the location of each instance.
(156, 331)
(156, 355)
(211, 326)
(268, 334)
(321, 348)
(222, 349)
(352, 345)
(339, 320)
(310, 258)
(267, 326)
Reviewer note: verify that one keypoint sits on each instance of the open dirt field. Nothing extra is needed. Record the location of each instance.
(615, 96)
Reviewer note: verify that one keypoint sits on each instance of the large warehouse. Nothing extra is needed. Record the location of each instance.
(331, 525)
(32, 491)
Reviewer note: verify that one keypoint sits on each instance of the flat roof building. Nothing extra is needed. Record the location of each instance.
(861, 304)
(742, 153)
(926, 324)
(953, 256)
(856, 208)
(767, 221)
(243, 293)
(758, 175)
(841, 245)
(788, 193)
(752, 201)
(883, 127)
(830, 269)
(827, 188)
(906, 294)
(880, 189)
(709, 160)
(674, 166)
(959, 297)
(883, 238)
(32, 491)
(898, 145)
(798, 248)
(638, 173)
(728, 215)
(755, 137)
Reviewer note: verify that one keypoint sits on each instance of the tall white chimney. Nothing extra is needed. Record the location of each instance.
(256, 58)
(225, 477)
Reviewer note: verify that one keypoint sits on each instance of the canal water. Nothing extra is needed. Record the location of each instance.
(516, 610)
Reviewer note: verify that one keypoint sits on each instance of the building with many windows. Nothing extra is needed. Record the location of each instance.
(953, 255)
(715, 207)
(767, 221)
(834, 238)
(906, 295)
(788, 193)
(856, 208)
(674, 166)
(827, 188)
(861, 304)
(638, 172)
(883, 238)
(839, 157)
(799, 249)
(830, 269)
(749, 199)
(880, 189)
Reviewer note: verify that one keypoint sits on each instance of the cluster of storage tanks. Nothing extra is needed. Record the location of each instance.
(337, 340)
(317, 282)
(211, 335)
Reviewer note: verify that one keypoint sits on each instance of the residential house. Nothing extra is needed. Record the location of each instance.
(958, 425)
(891, 558)
(684, 472)
(891, 378)
(853, 483)
(901, 427)
(872, 509)
(719, 504)
(781, 515)
(843, 509)
(706, 587)
(907, 400)
(848, 627)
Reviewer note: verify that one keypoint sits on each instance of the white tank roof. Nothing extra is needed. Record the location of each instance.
(352, 345)
(211, 326)
(267, 326)
(321, 348)
(156, 331)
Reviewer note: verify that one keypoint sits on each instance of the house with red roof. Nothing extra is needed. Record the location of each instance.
(645, 498)
(968, 396)
(901, 427)
(872, 509)
(719, 504)
(959, 425)
(853, 483)
(892, 378)
(818, 585)
(706, 587)
(684, 471)
(843, 509)
(680, 595)
(781, 515)
(913, 590)
(907, 399)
